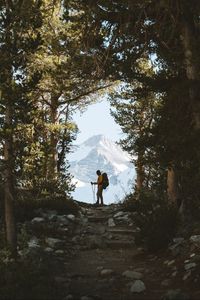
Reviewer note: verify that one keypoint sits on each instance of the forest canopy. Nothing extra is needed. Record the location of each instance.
(57, 56)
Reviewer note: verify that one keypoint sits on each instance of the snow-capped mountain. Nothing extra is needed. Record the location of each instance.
(100, 153)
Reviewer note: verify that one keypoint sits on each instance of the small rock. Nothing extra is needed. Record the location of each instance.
(171, 262)
(138, 287)
(175, 295)
(195, 239)
(71, 217)
(106, 272)
(178, 240)
(118, 214)
(86, 298)
(60, 252)
(48, 250)
(37, 220)
(190, 266)
(174, 274)
(187, 275)
(33, 243)
(52, 215)
(132, 274)
(54, 243)
(111, 222)
(63, 220)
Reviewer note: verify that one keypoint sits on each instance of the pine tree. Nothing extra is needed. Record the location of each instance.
(19, 36)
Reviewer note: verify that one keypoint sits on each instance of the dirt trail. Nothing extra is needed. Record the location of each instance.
(105, 252)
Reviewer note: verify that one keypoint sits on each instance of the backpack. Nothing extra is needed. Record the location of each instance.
(105, 183)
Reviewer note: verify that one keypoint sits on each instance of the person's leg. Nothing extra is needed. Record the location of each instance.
(101, 194)
(97, 196)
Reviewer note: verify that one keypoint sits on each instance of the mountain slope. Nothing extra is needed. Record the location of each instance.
(98, 152)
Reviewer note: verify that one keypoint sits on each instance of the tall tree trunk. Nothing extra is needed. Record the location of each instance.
(172, 186)
(53, 157)
(139, 173)
(9, 194)
(191, 54)
(11, 235)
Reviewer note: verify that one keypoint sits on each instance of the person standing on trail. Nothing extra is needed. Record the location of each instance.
(99, 187)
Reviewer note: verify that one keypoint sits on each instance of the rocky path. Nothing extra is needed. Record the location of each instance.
(95, 256)
(107, 263)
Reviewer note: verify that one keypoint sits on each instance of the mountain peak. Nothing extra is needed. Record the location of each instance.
(94, 140)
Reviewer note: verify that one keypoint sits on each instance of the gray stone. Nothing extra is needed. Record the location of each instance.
(138, 287)
(187, 275)
(48, 250)
(51, 215)
(118, 214)
(33, 243)
(132, 274)
(86, 298)
(38, 220)
(171, 262)
(176, 295)
(179, 240)
(71, 217)
(190, 266)
(106, 272)
(63, 220)
(60, 252)
(54, 243)
(111, 222)
(195, 239)
(124, 218)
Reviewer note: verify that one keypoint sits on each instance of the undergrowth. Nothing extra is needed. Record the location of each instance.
(154, 216)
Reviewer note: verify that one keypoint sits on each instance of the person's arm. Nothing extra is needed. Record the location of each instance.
(94, 182)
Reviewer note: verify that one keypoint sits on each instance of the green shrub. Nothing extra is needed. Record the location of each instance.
(26, 206)
(28, 279)
(156, 219)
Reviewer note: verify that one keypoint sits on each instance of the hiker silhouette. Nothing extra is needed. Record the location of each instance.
(99, 184)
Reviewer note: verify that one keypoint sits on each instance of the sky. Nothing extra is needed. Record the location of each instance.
(97, 120)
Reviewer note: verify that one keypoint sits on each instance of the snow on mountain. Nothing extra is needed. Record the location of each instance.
(99, 152)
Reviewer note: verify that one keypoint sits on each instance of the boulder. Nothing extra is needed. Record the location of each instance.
(132, 274)
(38, 220)
(138, 287)
(106, 272)
(71, 217)
(54, 243)
(118, 214)
(195, 239)
(111, 222)
(189, 266)
(33, 243)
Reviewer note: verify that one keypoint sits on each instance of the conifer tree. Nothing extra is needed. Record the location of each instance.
(19, 36)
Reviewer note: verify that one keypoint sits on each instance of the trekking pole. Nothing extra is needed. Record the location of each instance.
(93, 191)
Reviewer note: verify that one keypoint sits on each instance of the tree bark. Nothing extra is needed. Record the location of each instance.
(53, 157)
(11, 235)
(172, 186)
(191, 54)
(140, 173)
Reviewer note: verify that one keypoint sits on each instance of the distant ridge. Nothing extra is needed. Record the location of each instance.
(99, 152)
